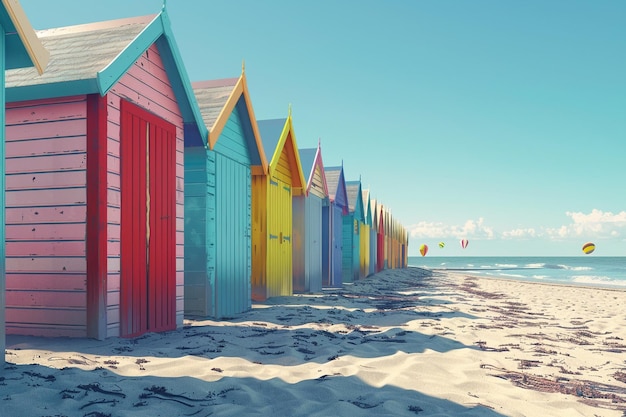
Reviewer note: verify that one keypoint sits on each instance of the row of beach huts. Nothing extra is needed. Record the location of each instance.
(135, 198)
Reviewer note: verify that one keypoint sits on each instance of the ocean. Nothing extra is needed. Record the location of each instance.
(596, 271)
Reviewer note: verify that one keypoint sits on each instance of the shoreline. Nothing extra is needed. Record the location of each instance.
(473, 273)
(402, 342)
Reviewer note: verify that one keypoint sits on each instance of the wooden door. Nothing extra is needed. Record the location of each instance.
(233, 253)
(279, 268)
(148, 224)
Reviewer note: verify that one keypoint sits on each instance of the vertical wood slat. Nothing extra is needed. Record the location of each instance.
(133, 233)
(154, 210)
(96, 216)
(2, 202)
(148, 261)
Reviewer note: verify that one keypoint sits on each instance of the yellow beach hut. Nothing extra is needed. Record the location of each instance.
(272, 249)
(365, 228)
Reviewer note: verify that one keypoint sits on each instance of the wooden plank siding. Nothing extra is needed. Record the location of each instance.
(334, 209)
(372, 239)
(272, 211)
(51, 244)
(218, 200)
(199, 241)
(46, 197)
(307, 224)
(364, 250)
(147, 85)
(259, 236)
(233, 190)
(233, 234)
(348, 238)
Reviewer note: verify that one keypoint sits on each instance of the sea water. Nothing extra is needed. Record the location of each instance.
(589, 270)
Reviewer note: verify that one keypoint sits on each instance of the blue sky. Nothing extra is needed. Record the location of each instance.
(497, 121)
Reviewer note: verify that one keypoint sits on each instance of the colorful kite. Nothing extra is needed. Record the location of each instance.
(441, 245)
(424, 250)
(464, 243)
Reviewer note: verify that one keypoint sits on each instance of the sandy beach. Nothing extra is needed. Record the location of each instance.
(400, 343)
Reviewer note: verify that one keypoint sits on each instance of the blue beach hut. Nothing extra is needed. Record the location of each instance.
(335, 207)
(19, 48)
(307, 223)
(351, 258)
(218, 200)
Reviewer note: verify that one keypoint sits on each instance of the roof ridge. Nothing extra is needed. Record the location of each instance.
(91, 27)
(221, 82)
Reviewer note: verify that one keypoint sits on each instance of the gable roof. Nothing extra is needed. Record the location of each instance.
(336, 186)
(271, 132)
(22, 46)
(367, 206)
(307, 159)
(217, 100)
(310, 158)
(355, 199)
(274, 134)
(375, 214)
(91, 58)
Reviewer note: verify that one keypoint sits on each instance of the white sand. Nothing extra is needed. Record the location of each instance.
(396, 344)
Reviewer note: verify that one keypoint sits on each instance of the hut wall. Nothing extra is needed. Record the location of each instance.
(314, 243)
(259, 237)
(147, 85)
(199, 241)
(373, 250)
(327, 244)
(364, 250)
(347, 248)
(314, 226)
(218, 215)
(233, 232)
(46, 217)
(307, 243)
(332, 225)
(300, 244)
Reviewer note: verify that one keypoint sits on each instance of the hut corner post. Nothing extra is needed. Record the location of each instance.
(3, 204)
(96, 216)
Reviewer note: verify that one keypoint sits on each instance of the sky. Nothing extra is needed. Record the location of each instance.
(500, 122)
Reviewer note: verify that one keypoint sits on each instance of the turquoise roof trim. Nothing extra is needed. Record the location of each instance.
(100, 71)
(111, 74)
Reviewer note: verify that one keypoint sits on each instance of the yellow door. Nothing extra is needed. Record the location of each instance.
(279, 272)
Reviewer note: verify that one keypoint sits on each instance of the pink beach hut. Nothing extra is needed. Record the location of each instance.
(20, 49)
(95, 182)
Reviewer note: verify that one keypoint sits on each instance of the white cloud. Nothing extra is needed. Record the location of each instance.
(597, 224)
(471, 228)
(519, 233)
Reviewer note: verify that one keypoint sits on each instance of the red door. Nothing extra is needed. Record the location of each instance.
(148, 223)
